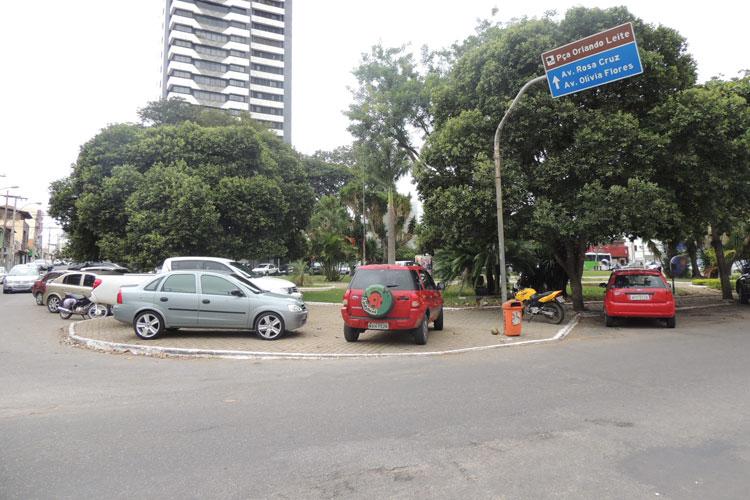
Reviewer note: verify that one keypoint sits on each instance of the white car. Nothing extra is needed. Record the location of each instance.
(275, 285)
(266, 269)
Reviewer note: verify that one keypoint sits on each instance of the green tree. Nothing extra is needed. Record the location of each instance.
(327, 232)
(707, 156)
(143, 193)
(577, 170)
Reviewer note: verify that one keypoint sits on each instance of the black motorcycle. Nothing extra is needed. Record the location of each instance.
(80, 304)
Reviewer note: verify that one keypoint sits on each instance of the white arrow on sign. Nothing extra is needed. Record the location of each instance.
(556, 81)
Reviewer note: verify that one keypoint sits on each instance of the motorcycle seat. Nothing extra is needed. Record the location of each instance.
(538, 296)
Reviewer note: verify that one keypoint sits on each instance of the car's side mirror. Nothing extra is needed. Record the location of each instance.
(440, 285)
(603, 285)
(237, 293)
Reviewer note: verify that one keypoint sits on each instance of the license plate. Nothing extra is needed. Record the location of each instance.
(377, 326)
(644, 296)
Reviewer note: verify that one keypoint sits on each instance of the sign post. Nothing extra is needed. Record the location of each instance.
(592, 61)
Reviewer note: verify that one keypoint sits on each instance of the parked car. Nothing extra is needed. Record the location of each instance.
(40, 286)
(21, 278)
(76, 282)
(638, 293)
(275, 285)
(743, 286)
(206, 299)
(3, 274)
(392, 297)
(267, 269)
(315, 268)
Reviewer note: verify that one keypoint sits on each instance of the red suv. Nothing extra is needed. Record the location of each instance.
(638, 293)
(392, 297)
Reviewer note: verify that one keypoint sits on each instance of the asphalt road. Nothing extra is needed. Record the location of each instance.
(637, 411)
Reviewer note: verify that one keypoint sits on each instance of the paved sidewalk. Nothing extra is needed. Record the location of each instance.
(322, 336)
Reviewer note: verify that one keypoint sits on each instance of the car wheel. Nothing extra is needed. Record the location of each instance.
(438, 325)
(351, 334)
(39, 297)
(97, 311)
(269, 326)
(420, 332)
(608, 320)
(744, 296)
(671, 322)
(148, 325)
(53, 302)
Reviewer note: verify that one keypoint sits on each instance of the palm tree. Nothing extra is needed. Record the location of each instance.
(384, 161)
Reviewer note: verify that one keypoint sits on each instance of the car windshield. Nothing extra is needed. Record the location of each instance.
(23, 271)
(246, 282)
(395, 279)
(638, 281)
(242, 267)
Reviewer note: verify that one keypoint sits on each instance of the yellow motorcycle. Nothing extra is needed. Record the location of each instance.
(548, 304)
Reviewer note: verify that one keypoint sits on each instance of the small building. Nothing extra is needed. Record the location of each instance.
(14, 236)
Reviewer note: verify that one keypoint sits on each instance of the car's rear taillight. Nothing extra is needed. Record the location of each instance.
(97, 282)
(119, 296)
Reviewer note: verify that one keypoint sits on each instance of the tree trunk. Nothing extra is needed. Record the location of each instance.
(572, 262)
(391, 229)
(726, 286)
(693, 253)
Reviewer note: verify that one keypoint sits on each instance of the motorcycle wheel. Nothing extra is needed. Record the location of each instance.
(556, 313)
(96, 311)
(65, 315)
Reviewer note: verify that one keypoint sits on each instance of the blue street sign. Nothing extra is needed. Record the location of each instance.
(605, 67)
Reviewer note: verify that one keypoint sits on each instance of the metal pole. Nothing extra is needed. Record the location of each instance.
(499, 189)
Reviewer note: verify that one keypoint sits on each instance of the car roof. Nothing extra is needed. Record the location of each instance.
(215, 259)
(396, 267)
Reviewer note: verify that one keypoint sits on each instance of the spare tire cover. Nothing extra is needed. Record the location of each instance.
(377, 301)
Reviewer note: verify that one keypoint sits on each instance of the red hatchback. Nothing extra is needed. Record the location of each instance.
(638, 293)
(392, 297)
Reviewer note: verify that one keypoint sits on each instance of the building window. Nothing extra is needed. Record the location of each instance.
(182, 27)
(207, 80)
(268, 41)
(180, 89)
(210, 51)
(267, 96)
(181, 74)
(181, 58)
(211, 6)
(183, 13)
(210, 35)
(238, 98)
(237, 38)
(268, 83)
(238, 68)
(211, 66)
(237, 83)
(268, 55)
(268, 15)
(268, 69)
(209, 96)
(237, 24)
(212, 21)
(272, 3)
(182, 43)
(266, 110)
(270, 29)
(237, 53)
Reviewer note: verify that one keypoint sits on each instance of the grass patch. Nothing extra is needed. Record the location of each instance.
(333, 296)
(712, 283)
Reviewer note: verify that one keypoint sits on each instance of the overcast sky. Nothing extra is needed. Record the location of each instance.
(72, 67)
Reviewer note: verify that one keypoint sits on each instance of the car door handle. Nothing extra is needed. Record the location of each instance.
(206, 301)
(164, 299)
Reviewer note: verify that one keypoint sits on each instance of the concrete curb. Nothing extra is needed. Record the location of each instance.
(99, 345)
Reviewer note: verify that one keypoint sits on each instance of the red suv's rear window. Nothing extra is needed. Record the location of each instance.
(401, 279)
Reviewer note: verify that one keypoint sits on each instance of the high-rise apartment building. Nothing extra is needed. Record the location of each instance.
(232, 55)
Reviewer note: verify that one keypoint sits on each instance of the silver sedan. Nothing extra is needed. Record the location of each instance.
(206, 299)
